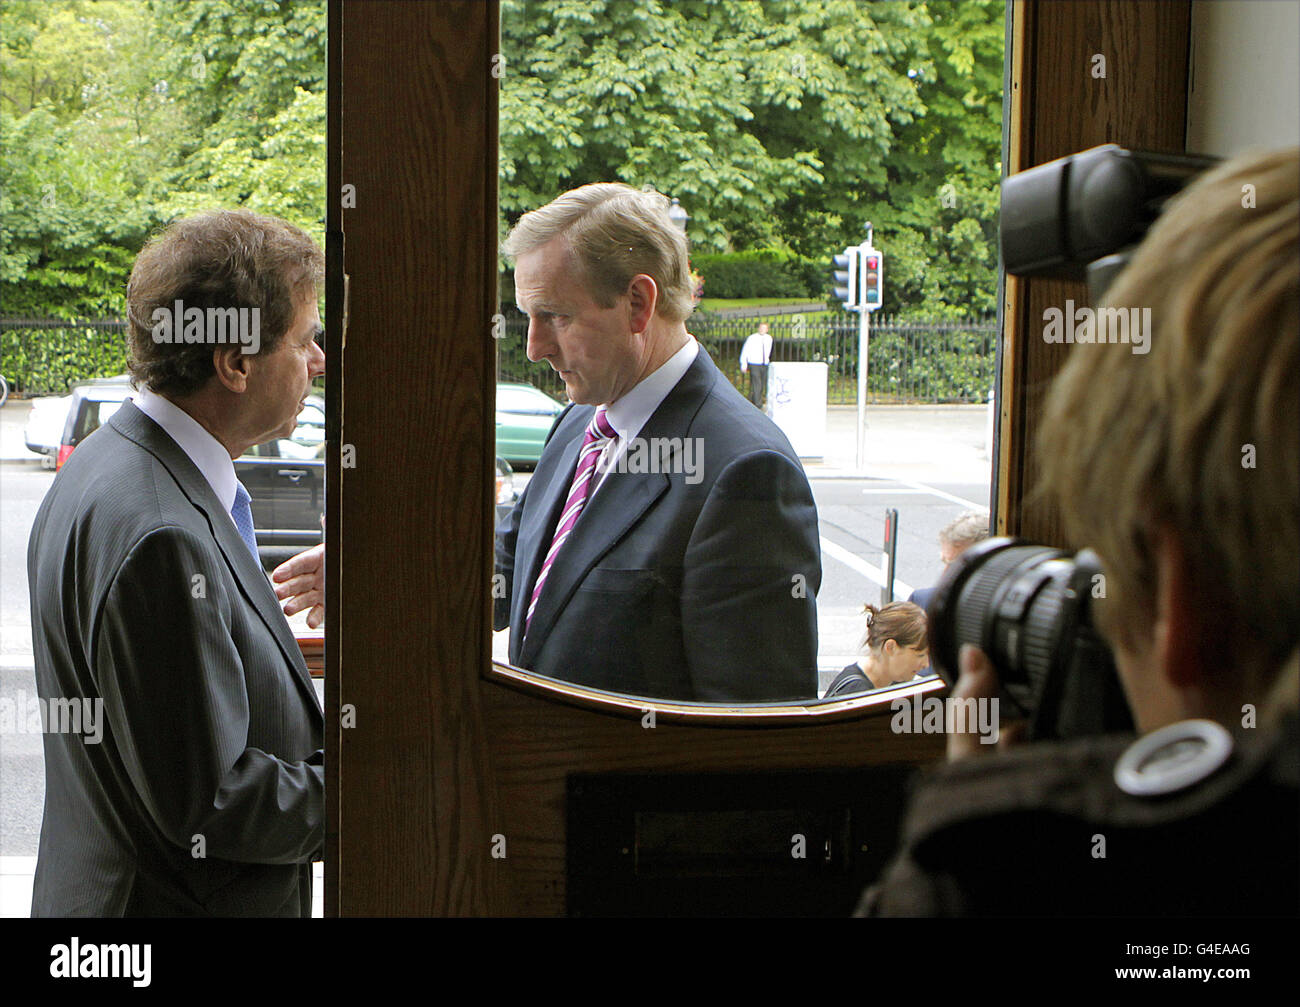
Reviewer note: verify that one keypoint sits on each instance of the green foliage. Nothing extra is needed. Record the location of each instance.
(49, 361)
(764, 272)
(939, 225)
(781, 126)
(787, 124)
(118, 116)
(924, 360)
(921, 360)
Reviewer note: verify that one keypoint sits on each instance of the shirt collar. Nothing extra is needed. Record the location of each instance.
(205, 451)
(631, 412)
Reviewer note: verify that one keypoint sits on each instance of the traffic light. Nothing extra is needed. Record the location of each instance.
(872, 293)
(845, 270)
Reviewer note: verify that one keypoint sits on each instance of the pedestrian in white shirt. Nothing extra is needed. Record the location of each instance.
(754, 358)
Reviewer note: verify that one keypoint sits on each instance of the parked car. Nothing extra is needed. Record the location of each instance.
(525, 416)
(506, 492)
(43, 431)
(90, 404)
(285, 479)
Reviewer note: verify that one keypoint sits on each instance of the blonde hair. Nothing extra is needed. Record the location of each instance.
(615, 232)
(1198, 436)
(901, 621)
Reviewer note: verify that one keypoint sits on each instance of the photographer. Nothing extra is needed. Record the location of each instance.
(1180, 468)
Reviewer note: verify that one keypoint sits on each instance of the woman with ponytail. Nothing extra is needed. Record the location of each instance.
(894, 649)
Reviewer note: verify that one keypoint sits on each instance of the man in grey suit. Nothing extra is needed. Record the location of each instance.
(203, 793)
(667, 543)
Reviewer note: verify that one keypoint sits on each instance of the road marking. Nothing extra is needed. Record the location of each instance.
(923, 488)
(899, 492)
(855, 562)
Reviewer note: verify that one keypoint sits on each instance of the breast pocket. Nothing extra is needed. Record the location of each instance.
(634, 582)
(624, 628)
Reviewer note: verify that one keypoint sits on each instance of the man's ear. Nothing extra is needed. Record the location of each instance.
(642, 295)
(231, 365)
(1184, 650)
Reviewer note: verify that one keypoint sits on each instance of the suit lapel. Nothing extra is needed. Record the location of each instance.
(615, 508)
(247, 572)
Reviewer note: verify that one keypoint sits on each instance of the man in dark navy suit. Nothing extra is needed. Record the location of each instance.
(203, 793)
(667, 543)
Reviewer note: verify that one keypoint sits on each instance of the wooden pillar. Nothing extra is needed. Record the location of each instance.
(413, 180)
(1060, 104)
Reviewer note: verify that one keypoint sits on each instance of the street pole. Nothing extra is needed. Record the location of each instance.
(890, 558)
(864, 337)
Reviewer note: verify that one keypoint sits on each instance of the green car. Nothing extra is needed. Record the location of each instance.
(525, 416)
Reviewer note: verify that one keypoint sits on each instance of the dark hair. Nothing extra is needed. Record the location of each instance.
(899, 620)
(220, 259)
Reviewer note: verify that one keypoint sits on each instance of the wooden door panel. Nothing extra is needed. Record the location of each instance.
(434, 760)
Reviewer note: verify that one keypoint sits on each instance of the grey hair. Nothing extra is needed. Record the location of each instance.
(615, 232)
(966, 529)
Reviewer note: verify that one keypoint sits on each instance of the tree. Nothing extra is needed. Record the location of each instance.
(116, 117)
(940, 220)
(787, 124)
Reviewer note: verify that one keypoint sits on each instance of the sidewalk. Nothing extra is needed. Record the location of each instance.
(17, 875)
(907, 443)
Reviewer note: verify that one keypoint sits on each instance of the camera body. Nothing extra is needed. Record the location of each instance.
(1029, 608)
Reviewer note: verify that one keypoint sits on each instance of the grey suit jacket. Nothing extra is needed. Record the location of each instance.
(205, 793)
(674, 585)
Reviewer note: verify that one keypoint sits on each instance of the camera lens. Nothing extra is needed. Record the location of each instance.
(1028, 608)
(1003, 597)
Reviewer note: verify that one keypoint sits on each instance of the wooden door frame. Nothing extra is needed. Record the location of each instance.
(430, 764)
(1057, 107)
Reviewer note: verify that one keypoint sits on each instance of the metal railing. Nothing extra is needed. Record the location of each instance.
(907, 361)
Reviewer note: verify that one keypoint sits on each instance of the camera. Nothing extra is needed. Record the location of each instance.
(1080, 217)
(1029, 608)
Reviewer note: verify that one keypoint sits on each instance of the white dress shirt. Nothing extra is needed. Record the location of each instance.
(757, 350)
(630, 413)
(205, 451)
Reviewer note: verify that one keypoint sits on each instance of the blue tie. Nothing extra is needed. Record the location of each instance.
(243, 515)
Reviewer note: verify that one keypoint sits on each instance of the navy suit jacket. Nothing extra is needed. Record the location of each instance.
(205, 793)
(921, 596)
(672, 584)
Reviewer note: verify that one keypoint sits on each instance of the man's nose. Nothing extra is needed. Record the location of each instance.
(317, 360)
(540, 345)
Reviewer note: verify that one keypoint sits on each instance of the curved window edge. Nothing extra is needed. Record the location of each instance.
(746, 715)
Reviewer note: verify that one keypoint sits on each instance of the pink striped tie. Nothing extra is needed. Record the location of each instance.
(599, 432)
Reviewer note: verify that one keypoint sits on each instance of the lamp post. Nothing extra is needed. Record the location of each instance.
(678, 215)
